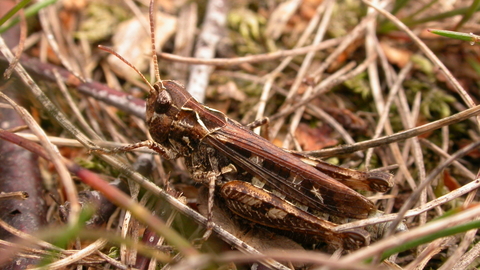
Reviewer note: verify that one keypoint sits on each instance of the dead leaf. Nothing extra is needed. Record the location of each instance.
(475, 153)
(279, 18)
(450, 182)
(395, 55)
(314, 138)
(132, 42)
(231, 91)
(347, 118)
(308, 8)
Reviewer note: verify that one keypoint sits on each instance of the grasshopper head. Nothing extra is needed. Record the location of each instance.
(163, 106)
(166, 100)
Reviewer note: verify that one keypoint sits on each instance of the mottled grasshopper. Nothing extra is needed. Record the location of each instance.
(256, 179)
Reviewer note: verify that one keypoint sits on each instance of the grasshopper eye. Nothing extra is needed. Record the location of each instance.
(163, 102)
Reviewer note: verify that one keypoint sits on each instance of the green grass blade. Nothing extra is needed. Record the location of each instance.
(30, 11)
(408, 21)
(399, 5)
(456, 35)
(13, 11)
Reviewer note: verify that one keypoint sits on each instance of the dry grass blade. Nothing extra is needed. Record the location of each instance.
(72, 259)
(464, 94)
(413, 234)
(20, 195)
(53, 154)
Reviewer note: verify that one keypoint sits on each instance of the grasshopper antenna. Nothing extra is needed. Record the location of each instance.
(109, 50)
(152, 37)
(154, 54)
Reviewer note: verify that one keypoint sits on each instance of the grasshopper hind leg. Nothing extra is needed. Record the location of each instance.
(265, 208)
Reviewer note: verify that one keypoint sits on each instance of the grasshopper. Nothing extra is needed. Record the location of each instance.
(254, 178)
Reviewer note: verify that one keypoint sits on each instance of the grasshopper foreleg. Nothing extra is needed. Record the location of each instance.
(153, 145)
(204, 168)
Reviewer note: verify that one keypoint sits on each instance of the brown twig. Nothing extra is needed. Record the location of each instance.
(251, 58)
(99, 91)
